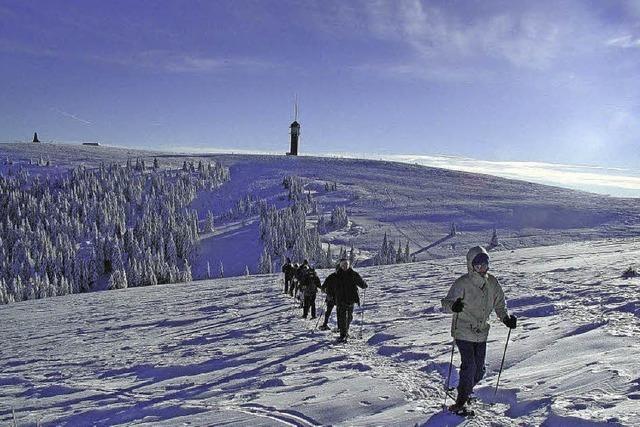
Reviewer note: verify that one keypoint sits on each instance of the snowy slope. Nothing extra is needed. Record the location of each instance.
(409, 202)
(235, 352)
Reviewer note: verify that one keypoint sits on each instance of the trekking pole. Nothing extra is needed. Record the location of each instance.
(502, 364)
(364, 296)
(453, 348)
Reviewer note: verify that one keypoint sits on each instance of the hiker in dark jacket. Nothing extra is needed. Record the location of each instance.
(301, 274)
(310, 285)
(289, 272)
(345, 290)
(329, 288)
(294, 281)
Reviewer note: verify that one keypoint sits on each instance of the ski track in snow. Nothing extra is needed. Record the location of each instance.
(236, 352)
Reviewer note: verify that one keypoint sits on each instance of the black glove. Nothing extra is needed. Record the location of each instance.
(457, 306)
(510, 321)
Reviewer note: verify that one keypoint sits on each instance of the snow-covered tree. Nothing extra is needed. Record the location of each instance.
(210, 225)
(328, 262)
(59, 234)
(494, 239)
(171, 252)
(339, 217)
(265, 266)
(186, 272)
(407, 253)
(387, 254)
(118, 280)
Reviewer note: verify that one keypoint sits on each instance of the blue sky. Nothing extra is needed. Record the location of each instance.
(543, 81)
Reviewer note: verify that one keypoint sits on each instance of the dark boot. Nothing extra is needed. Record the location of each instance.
(459, 407)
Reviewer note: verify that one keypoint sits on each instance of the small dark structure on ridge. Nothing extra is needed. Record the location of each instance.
(35, 137)
(295, 132)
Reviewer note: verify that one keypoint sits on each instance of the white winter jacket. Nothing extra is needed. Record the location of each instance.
(481, 295)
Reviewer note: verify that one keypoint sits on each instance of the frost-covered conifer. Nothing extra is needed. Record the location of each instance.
(339, 217)
(352, 255)
(186, 272)
(3, 291)
(264, 266)
(49, 228)
(118, 280)
(322, 224)
(381, 257)
(210, 225)
(494, 239)
(171, 253)
(328, 262)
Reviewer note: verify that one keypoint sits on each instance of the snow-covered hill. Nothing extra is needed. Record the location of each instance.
(236, 352)
(410, 203)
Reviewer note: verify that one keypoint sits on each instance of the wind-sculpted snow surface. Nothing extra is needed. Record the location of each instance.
(236, 352)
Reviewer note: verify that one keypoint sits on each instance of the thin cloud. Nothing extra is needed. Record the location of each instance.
(178, 62)
(522, 39)
(72, 116)
(444, 42)
(164, 60)
(625, 42)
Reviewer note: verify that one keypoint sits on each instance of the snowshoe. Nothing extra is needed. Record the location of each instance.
(461, 410)
(323, 328)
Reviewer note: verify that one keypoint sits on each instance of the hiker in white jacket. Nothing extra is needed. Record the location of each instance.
(472, 298)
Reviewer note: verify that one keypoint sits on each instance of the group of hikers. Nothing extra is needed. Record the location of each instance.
(472, 298)
(340, 287)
